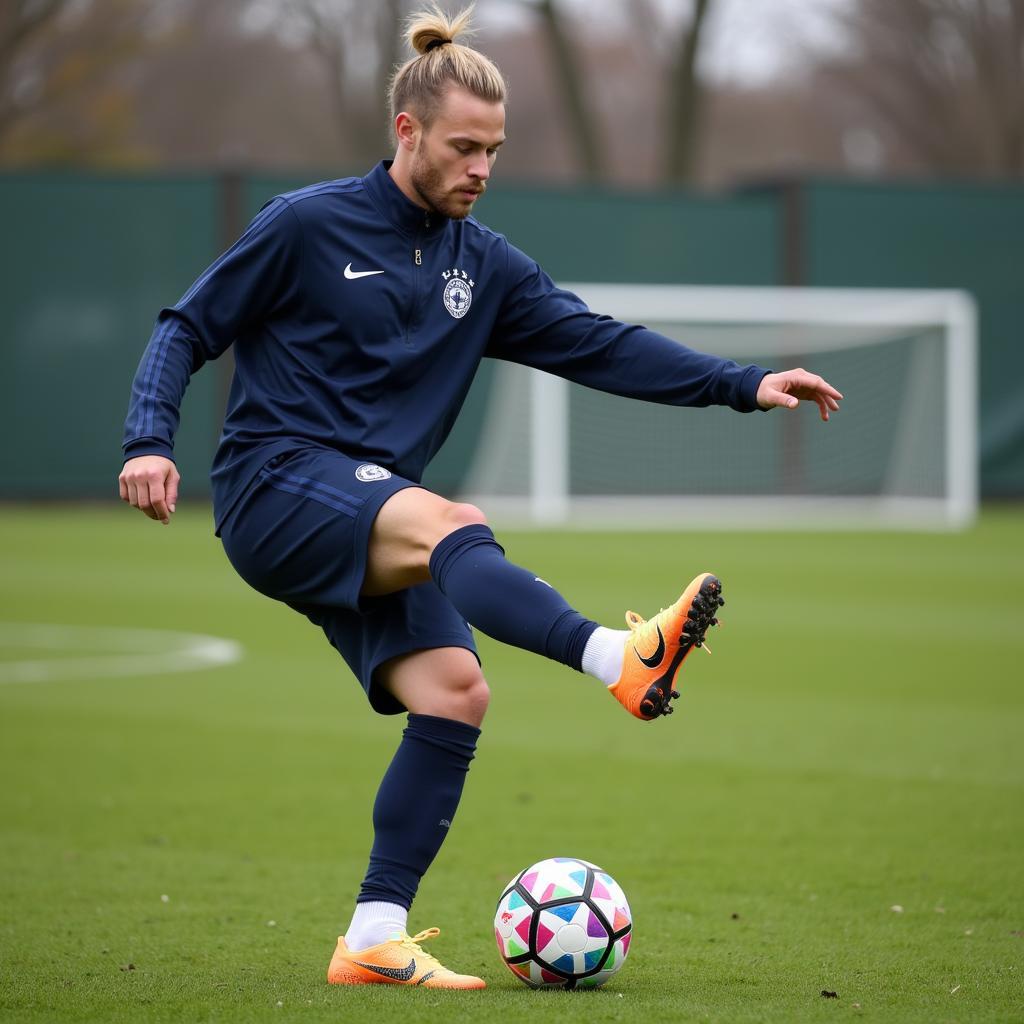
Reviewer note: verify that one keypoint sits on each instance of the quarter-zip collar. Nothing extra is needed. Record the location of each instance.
(401, 211)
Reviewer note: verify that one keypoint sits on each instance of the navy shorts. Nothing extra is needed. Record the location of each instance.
(299, 535)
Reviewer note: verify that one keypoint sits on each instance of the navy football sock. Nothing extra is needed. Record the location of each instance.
(415, 805)
(507, 602)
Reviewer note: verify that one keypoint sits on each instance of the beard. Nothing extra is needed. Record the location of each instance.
(428, 182)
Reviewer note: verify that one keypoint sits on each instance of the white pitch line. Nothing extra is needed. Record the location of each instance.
(109, 652)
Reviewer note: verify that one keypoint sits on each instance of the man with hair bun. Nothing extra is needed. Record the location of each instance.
(359, 311)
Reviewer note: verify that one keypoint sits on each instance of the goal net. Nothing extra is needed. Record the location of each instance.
(901, 452)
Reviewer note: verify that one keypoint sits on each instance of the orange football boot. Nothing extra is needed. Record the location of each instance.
(657, 649)
(398, 962)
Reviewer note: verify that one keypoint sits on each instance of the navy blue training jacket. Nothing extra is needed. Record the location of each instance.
(358, 321)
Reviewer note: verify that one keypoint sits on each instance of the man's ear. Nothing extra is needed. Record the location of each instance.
(407, 130)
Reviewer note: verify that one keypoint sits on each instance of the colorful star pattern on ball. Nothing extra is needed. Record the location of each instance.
(563, 923)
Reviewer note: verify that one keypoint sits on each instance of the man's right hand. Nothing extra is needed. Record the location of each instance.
(150, 484)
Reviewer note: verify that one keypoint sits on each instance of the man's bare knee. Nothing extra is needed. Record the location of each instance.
(470, 697)
(444, 682)
(463, 695)
(459, 514)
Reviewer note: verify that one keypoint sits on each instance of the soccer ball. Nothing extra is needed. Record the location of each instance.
(563, 923)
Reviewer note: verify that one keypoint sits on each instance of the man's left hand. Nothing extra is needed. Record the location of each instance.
(788, 388)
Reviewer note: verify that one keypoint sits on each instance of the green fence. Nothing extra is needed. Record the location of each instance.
(89, 260)
(87, 264)
(952, 236)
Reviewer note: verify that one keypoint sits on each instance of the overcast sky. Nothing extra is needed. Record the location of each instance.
(753, 40)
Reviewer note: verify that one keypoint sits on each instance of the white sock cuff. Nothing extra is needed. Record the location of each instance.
(375, 921)
(602, 657)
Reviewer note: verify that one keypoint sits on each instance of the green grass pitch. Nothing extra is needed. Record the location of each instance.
(836, 806)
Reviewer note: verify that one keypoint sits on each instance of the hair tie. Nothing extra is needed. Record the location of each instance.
(434, 44)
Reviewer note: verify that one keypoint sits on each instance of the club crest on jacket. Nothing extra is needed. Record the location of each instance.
(458, 292)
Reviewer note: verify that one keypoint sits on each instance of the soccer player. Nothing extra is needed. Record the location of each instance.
(359, 310)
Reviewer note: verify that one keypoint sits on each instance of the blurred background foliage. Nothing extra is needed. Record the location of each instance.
(636, 93)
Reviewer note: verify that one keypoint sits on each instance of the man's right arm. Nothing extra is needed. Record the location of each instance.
(149, 477)
(252, 279)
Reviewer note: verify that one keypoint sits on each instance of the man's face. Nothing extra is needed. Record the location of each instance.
(454, 156)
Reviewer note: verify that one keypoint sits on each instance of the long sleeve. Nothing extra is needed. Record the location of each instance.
(165, 369)
(551, 329)
(257, 275)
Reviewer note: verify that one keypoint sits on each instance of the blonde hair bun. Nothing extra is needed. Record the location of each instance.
(432, 28)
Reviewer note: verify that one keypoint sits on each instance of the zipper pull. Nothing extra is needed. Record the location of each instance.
(419, 257)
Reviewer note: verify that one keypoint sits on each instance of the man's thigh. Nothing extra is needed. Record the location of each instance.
(301, 532)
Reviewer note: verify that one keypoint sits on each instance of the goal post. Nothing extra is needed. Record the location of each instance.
(901, 453)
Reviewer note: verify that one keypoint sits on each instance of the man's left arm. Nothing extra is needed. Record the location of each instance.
(551, 329)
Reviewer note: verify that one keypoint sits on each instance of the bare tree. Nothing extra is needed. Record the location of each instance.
(676, 53)
(684, 104)
(941, 80)
(582, 122)
(359, 45)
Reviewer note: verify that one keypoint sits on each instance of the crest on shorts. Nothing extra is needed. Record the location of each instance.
(368, 472)
(458, 292)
